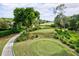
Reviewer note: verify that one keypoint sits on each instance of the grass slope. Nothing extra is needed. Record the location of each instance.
(42, 33)
(40, 47)
(43, 45)
(44, 30)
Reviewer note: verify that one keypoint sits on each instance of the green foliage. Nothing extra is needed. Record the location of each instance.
(5, 33)
(72, 46)
(5, 24)
(62, 33)
(62, 21)
(16, 28)
(72, 22)
(77, 49)
(26, 17)
(19, 14)
(52, 25)
(23, 37)
(69, 38)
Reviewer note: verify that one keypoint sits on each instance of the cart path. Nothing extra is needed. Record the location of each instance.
(8, 48)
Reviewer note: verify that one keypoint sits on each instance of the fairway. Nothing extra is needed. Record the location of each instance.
(40, 47)
(44, 30)
(40, 29)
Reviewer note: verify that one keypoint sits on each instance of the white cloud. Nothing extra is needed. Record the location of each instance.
(45, 9)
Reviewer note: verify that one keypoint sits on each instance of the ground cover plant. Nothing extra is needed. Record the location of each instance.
(68, 37)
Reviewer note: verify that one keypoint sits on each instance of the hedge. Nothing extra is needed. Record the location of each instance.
(9, 31)
(5, 33)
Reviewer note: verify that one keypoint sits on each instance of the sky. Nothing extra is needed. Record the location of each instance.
(45, 9)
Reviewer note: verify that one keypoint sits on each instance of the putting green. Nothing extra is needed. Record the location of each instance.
(40, 47)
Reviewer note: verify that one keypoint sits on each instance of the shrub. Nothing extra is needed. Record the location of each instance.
(52, 25)
(16, 30)
(36, 36)
(1, 29)
(55, 35)
(72, 46)
(69, 38)
(23, 37)
(71, 42)
(68, 44)
(34, 29)
(63, 41)
(5, 24)
(8, 32)
(5, 32)
(77, 50)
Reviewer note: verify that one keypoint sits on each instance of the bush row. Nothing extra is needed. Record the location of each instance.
(23, 37)
(66, 38)
(8, 32)
(5, 32)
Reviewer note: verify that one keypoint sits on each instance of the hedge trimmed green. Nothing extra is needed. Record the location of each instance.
(5, 32)
(8, 32)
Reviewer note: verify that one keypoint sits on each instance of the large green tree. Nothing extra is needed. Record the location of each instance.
(25, 17)
(74, 22)
(18, 18)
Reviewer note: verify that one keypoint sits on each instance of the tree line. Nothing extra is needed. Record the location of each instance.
(29, 18)
(62, 21)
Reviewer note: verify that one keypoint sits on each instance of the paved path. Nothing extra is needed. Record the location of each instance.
(7, 50)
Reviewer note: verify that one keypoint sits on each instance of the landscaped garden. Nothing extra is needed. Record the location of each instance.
(68, 37)
(59, 37)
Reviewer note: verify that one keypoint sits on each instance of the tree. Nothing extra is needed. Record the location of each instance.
(25, 17)
(18, 19)
(57, 21)
(60, 18)
(37, 20)
(74, 22)
(31, 18)
(5, 24)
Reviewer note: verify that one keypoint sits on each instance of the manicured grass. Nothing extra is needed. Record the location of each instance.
(40, 47)
(49, 23)
(44, 30)
(41, 33)
(3, 41)
(46, 25)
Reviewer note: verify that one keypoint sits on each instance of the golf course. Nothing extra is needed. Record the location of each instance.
(43, 45)
(32, 31)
